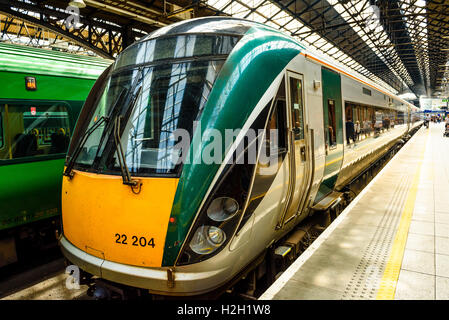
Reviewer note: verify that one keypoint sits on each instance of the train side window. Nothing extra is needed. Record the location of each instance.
(348, 111)
(278, 121)
(37, 130)
(332, 123)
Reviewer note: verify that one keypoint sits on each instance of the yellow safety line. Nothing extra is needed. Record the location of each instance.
(387, 287)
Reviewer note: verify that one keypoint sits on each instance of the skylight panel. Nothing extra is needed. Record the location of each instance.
(304, 29)
(219, 4)
(272, 24)
(258, 18)
(237, 10)
(312, 38)
(293, 25)
(268, 9)
(254, 3)
(327, 46)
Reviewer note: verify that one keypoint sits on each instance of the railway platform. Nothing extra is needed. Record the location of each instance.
(391, 242)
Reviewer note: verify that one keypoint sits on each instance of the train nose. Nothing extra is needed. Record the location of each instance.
(105, 218)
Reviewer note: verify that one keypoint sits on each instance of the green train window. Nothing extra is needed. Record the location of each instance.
(35, 130)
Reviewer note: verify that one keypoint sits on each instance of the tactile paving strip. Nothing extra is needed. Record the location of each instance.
(368, 274)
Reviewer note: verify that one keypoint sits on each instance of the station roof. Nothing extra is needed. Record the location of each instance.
(402, 45)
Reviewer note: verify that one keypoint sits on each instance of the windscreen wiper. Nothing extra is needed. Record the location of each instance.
(115, 110)
(68, 172)
(126, 175)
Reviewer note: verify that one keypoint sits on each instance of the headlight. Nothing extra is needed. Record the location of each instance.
(207, 239)
(222, 209)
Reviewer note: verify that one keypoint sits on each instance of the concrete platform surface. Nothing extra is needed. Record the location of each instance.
(391, 242)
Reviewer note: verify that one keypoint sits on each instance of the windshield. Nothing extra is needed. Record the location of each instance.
(172, 97)
(156, 87)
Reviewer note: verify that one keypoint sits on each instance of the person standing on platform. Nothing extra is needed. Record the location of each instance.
(426, 121)
(357, 130)
(349, 131)
(367, 127)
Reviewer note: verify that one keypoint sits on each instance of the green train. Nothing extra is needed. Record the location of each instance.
(41, 95)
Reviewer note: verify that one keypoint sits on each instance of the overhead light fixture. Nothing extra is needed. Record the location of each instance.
(77, 3)
(445, 49)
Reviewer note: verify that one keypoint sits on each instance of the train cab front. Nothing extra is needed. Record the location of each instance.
(123, 215)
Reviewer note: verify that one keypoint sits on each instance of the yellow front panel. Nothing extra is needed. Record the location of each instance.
(103, 217)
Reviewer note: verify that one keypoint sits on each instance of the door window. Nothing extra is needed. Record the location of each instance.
(332, 123)
(297, 108)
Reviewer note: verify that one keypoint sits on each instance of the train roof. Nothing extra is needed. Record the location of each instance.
(23, 59)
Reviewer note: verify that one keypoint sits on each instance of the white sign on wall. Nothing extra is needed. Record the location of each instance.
(432, 104)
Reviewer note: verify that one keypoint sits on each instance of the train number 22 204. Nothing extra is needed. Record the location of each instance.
(135, 241)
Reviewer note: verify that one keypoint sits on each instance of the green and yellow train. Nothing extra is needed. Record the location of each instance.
(41, 95)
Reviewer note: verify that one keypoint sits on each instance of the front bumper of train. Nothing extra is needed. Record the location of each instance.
(187, 280)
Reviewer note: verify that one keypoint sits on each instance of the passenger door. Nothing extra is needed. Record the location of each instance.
(333, 131)
(297, 148)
